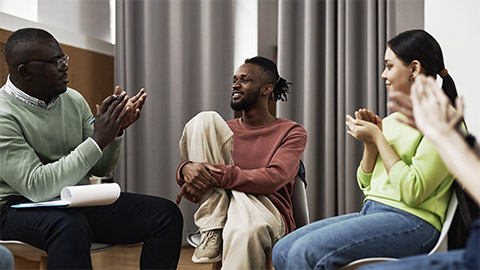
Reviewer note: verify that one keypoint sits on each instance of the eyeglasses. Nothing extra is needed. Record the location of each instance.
(62, 62)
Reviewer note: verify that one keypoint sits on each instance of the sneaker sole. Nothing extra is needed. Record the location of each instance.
(206, 260)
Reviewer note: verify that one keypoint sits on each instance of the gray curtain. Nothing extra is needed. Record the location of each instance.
(182, 53)
(333, 52)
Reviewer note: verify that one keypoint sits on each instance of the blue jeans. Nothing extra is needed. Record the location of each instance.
(377, 231)
(467, 258)
(6, 258)
(446, 260)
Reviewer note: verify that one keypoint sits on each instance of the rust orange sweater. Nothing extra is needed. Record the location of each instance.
(266, 162)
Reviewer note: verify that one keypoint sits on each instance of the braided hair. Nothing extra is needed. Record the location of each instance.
(271, 76)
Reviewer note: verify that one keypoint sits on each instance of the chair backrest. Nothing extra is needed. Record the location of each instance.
(441, 243)
(299, 198)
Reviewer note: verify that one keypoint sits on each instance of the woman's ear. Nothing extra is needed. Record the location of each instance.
(416, 68)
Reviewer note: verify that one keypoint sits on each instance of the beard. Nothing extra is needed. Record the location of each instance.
(246, 102)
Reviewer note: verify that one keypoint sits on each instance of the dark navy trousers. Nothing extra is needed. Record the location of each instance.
(66, 234)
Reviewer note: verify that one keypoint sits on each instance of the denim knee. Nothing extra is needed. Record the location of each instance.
(6, 258)
(280, 249)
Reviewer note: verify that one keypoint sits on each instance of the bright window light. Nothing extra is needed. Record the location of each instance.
(26, 9)
(112, 21)
(246, 31)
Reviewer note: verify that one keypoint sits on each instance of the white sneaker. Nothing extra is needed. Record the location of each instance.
(209, 249)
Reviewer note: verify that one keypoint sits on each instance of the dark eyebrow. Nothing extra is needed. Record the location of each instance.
(241, 76)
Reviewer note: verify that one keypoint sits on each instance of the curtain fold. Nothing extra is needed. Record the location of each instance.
(182, 53)
(333, 51)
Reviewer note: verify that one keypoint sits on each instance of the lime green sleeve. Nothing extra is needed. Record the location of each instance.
(363, 178)
(416, 182)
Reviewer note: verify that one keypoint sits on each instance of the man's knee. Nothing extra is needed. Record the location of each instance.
(206, 119)
(208, 115)
(176, 218)
(167, 214)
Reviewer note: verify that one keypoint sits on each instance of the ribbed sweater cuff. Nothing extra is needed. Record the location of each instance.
(90, 151)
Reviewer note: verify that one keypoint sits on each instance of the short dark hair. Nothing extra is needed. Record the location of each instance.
(420, 45)
(20, 41)
(270, 72)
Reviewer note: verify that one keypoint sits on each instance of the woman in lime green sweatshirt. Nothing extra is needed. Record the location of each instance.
(406, 185)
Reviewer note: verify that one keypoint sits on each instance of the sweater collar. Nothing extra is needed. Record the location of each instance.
(26, 98)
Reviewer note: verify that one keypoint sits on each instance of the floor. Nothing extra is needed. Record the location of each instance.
(126, 258)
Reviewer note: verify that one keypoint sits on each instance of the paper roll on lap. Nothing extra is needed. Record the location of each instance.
(79, 196)
(91, 195)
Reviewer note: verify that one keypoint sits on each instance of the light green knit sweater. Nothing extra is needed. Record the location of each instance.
(419, 183)
(42, 151)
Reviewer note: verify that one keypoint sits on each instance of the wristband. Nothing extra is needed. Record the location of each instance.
(470, 139)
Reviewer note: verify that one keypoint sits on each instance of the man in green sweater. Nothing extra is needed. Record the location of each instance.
(47, 143)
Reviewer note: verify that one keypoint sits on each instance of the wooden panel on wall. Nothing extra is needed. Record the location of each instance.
(90, 73)
(3, 64)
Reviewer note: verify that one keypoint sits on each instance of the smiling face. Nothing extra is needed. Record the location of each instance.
(247, 84)
(396, 74)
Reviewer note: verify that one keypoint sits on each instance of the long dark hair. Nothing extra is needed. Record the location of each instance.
(420, 45)
(270, 71)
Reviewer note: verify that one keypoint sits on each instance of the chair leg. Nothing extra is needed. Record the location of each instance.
(43, 263)
(22, 263)
(268, 262)
(217, 265)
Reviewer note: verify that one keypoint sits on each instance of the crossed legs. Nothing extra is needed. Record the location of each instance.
(250, 224)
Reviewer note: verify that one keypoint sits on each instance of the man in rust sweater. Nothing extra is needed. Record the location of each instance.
(242, 172)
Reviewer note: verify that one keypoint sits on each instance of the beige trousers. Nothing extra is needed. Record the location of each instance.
(251, 223)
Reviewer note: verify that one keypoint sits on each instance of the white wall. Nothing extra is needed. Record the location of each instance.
(26, 9)
(91, 17)
(80, 23)
(456, 26)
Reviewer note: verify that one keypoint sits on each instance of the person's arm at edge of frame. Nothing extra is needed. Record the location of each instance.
(433, 117)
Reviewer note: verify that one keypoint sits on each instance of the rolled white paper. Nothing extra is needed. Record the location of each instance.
(90, 195)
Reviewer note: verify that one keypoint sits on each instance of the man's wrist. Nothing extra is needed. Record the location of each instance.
(181, 168)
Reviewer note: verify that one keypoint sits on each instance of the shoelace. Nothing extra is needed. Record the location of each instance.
(210, 235)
